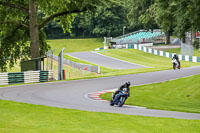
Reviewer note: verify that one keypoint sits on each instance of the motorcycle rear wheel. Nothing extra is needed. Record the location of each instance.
(179, 67)
(174, 66)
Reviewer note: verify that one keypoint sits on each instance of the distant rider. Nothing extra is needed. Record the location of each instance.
(176, 58)
(126, 85)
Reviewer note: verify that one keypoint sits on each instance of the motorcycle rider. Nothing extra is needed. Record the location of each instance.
(176, 58)
(126, 85)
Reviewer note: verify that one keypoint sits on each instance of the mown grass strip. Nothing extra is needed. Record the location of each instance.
(75, 45)
(25, 118)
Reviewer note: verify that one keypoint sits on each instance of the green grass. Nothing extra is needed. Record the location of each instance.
(79, 45)
(16, 68)
(72, 73)
(26, 118)
(156, 63)
(178, 95)
(71, 45)
(75, 45)
(178, 51)
(103, 69)
(19, 117)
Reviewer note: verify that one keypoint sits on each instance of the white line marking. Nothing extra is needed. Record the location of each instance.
(120, 60)
(87, 61)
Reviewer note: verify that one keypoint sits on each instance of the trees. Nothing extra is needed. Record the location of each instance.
(110, 21)
(164, 16)
(105, 21)
(21, 21)
(170, 15)
(180, 16)
(141, 13)
(187, 17)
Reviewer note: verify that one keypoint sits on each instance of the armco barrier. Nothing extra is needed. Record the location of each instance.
(14, 78)
(3, 78)
(43, 76)
(31, 76)
(160, 53)
(26, 77)
(79, 66)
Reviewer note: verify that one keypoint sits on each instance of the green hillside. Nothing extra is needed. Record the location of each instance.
(75, 45)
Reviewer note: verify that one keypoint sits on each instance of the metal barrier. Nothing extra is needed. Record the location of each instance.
(26, 77)
(79, 66)
(3, 78)
(14, 78)
(43, 76)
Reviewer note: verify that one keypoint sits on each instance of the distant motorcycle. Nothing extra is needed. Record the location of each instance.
(120, 98)
(175, 64)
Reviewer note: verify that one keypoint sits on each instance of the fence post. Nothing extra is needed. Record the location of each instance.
(99, 71)
(60, 65)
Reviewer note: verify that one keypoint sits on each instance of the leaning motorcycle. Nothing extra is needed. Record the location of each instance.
(120, 98)
(175, 64)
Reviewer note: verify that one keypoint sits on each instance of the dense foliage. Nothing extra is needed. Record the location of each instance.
(105, 21)
(29, 21)
(23, 21)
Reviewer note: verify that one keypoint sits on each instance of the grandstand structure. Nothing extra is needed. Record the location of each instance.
(138, 37)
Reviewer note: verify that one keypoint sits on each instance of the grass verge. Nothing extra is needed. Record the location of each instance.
(177, 95)
(156, 63)
(27, 118)
(75, 45)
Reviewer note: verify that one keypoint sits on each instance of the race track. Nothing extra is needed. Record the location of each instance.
(102, 60)
(74, 94)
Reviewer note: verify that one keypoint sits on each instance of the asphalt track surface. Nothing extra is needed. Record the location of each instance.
(105, 61)
(74, 94)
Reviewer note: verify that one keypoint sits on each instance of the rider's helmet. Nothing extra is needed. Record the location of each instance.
(128, 83)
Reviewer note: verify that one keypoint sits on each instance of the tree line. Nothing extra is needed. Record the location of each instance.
(25, 24)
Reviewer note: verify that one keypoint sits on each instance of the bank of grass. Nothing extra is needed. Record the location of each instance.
(26, 118)
(177, 95)
(156, 63)
(75, 45)
(79, 45)
(71, 45)
(146, 59)
(153, 62)
(72, 73)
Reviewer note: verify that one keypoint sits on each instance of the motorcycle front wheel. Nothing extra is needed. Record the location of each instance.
(111, 102)
(121, 101)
